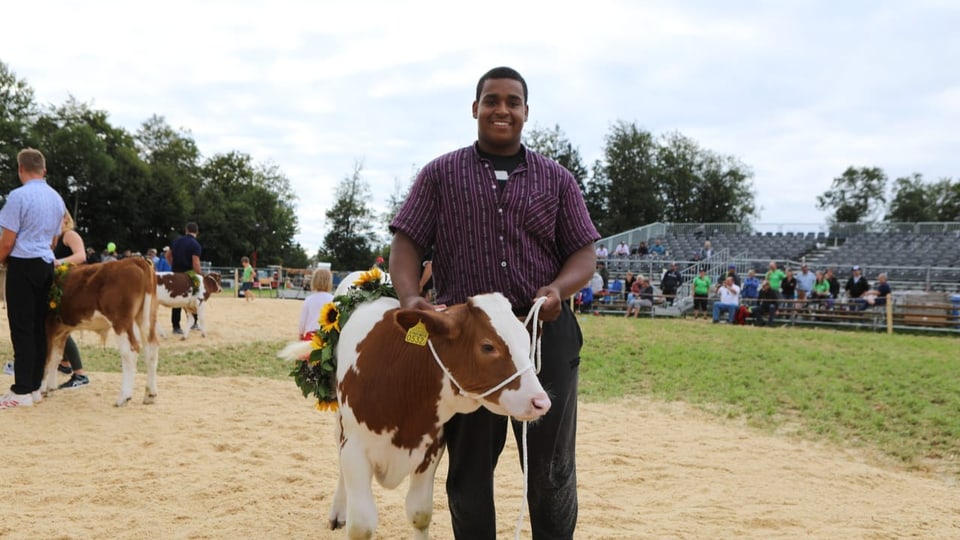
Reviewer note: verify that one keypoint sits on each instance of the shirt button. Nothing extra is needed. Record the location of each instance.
(503, 264)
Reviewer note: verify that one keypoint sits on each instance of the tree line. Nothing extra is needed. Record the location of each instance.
(139, 189)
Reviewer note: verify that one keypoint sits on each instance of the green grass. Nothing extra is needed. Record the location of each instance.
(897, 394)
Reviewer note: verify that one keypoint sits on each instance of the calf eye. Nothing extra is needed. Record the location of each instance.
(487, 348)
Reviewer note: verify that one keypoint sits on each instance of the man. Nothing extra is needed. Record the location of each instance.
(30, 220)
(184, 255)
(658, 249)
(775, 276)
(767, 305)
(729, 300)
(731, 272)
(805, 280)
(750, 290)
(856, 286)
(670, 283)
(542, 246)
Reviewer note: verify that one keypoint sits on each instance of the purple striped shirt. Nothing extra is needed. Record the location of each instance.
(485, 239)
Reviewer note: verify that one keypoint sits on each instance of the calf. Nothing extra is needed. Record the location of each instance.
(119, 296)
(395, 394)
(175, 290)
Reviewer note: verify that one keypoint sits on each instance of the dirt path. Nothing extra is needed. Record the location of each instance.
(250, 458)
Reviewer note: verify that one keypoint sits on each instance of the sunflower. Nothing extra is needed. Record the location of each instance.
(317, 341)
(329, 318)
(374, 275)
(323, 405)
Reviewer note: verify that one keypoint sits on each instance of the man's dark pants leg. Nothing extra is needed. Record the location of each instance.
(27, 290)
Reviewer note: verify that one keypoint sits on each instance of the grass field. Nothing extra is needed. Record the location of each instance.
(897, 394)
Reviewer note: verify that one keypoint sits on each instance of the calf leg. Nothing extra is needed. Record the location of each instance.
(128, 359)
(54, 354)
(202, 319)
(152, 359)
(338, 511)
(357, 477)
(419, 503)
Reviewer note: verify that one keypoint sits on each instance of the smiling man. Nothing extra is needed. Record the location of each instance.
(503, 218)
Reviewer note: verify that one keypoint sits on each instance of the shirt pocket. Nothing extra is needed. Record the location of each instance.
(541, 214)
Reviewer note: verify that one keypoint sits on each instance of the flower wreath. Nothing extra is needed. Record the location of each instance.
(317, 374)
(55, 295)
(194, 282)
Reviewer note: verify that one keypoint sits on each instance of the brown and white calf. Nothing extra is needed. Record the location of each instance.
(175, 290)
(394, 396)
(120, 296)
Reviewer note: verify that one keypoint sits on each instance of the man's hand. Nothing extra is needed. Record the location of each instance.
(421, 303)
(550, 310)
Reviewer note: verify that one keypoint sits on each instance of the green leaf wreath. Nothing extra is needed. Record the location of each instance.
(317, 374)
(56, 288)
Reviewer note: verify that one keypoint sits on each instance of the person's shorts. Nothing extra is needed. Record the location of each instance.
(246, 286)
(700, 302)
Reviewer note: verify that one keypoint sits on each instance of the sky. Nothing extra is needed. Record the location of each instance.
(798, 91)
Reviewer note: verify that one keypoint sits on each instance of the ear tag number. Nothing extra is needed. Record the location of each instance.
(417, 334)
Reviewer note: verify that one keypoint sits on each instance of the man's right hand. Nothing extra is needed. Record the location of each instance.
(421, 303)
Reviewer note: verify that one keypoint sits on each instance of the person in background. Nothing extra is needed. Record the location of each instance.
(821, 289)
(788, 290)
(246, 279)
(184, 255)
(641, 296)
(768, 300)
(452, 207)
(152, 257)
(729, 300)
(856, 286)
(751, 288)
(321, 283)
(775, 276)
(831, 278)
(92, 256)
(670, 283)
(657, 249)
(162, 264)
(68, 249)
(805, 280)
(426, 275)
(628, 282)
(30, 219)
(701, 292)
(109, 254)
(731, 272)
(877, 296)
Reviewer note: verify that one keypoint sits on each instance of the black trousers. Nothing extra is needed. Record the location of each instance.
(28, 287)
(475, 441)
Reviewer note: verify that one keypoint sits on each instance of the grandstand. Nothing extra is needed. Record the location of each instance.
(917, 257)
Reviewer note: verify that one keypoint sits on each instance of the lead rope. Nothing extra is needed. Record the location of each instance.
(533, 315)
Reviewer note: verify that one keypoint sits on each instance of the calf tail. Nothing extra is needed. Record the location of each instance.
(298, 350)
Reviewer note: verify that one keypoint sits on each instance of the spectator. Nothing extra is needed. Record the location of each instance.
(602, 252)
(729, 300)
(628, 282)
(321, 283)
(92, 256)
(184, 255)
(821, 289)
(767, 304)
(657, 249)
(586, 298)
(774, 276)
(109, 254)
(246, 279)
(856, 285)
(596, 283)
(879, 295)
(751, 287)
(642, 296)
(788, 288)
(706, 252)
(831, 278)
(162, 264)
(152, 257)
(805, 280)
(622, 250)
(604, 276)
(731, 272)
(670, 283)
(642, 249)
(701, 292)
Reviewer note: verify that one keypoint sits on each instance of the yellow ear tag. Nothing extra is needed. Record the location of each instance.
(417, 334)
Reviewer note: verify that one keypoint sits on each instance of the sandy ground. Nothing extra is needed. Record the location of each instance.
(250, 458)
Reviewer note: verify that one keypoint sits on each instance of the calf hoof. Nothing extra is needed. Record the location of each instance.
(122, 402)
(149, 399)
(336, 524)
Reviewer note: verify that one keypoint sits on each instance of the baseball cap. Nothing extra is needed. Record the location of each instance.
(732, 266)
(856, 267)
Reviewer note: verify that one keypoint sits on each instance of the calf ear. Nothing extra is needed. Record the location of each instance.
(438, 323)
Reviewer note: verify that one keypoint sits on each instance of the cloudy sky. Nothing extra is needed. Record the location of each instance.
(797, 90)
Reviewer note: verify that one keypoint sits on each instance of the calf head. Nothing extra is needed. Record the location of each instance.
(481, 344)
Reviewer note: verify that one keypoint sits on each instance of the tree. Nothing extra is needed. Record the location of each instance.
(911, 201)
(17, 112)
(554, 144)
(348, 243)
(630, 167)
(856, 195)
